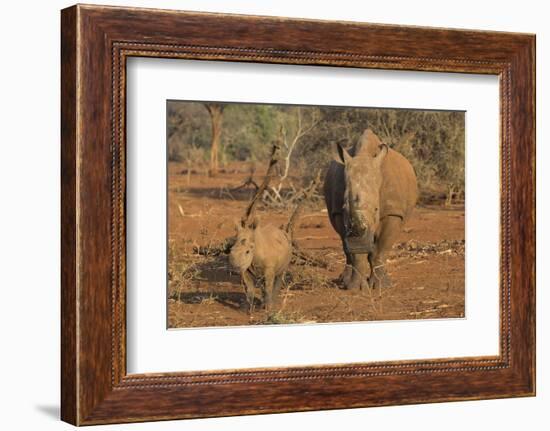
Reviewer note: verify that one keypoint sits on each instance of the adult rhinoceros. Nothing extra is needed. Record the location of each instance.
(369, 192)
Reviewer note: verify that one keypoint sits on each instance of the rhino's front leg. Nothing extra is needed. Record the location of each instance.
(248, 281)
(360, 271)
(276, 293)
(268, 288)
(338, 222)
(348, 269)
(390, 227)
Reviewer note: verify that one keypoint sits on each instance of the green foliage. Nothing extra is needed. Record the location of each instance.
(248, 131)
(188, 130)
(432, 140)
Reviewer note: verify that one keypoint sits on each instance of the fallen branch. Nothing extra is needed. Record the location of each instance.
(248, 182)
(301, 257)
(215, 250)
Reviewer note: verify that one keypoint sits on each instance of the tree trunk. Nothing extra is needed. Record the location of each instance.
(215, 110)
(450, 194)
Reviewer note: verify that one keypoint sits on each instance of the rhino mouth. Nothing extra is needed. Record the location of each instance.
(359, 238)
(360, 244)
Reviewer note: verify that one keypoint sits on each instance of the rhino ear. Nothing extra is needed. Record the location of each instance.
(381, 155)
(341, 155)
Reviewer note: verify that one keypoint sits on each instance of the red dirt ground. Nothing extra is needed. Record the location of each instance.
(426, 265)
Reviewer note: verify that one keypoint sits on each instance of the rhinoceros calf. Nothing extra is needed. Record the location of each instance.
(369, 192)
(261, 251)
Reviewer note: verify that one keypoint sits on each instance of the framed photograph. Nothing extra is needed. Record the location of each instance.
(264, 215)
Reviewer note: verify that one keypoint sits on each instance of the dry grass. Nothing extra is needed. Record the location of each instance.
(308, 277)
(426, 266)
(182, 271)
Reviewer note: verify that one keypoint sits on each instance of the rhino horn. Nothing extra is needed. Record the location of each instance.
(368, 144)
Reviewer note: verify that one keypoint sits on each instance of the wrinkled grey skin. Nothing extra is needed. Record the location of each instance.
(261, 251)
(369, 192)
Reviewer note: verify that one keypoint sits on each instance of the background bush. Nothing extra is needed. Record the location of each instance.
(433, 141)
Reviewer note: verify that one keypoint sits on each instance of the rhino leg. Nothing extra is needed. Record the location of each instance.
(390, 227)
(268, 288)
(360, 270)
(348, 269)
(338, 223)
(248, 280)
(379, 277)
(277, 283)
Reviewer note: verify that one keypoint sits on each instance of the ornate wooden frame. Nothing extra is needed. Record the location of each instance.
(95, 43)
